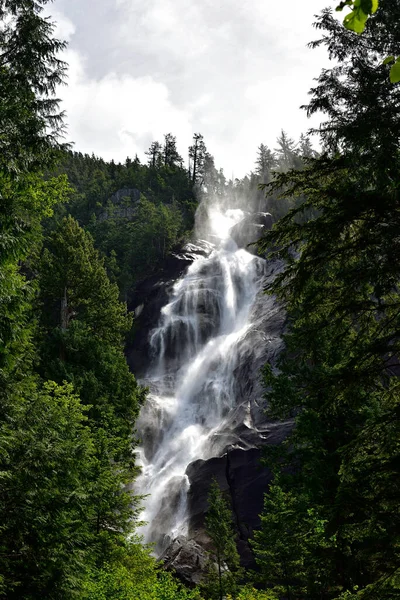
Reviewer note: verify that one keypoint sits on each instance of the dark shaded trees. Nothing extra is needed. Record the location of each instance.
(224, 571)
(337, 377)
(197, 157)
(170, 152)
(265, 163)
(155, 155)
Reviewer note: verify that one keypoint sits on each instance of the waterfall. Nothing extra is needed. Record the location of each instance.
(197, 347)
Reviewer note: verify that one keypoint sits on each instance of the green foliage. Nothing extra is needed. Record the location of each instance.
(395, 71)
(357, 18)
(66, 439)
(223, 571)
(75, 286)
(134, 576)
(46, 456)
(284, 545)
(250, 593)
(133, 235)
(336, 377)
(30, 72)
(356, 21)
(83, 325)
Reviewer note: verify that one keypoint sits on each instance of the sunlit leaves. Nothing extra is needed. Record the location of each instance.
(388, 60)
(356, 21)
(361, 10)
(395, 72)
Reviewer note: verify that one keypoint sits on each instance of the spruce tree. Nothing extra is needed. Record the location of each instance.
(286, 151)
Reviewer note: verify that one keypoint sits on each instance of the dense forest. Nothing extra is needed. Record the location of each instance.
(138, 213)
(79, 234)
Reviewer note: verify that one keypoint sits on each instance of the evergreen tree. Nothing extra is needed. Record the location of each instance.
(305, 147)
(340, 286)
(83, 325)
(197, 157)
(213, 180)
(47, 455)
(266, 161)
(31, 122)
(284, 545)
(224, 571)
(155, 153)
(286, 151)
(170, 153)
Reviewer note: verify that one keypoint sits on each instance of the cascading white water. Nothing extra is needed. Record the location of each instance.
(191, 380)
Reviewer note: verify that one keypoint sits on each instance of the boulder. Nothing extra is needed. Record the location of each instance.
(250, 229)
(187, 559)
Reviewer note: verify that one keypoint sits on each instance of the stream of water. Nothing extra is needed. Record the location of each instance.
(191, 378)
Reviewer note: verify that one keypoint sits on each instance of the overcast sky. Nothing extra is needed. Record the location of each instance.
(234, 70)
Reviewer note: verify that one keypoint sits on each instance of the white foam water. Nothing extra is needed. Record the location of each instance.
(191, 378)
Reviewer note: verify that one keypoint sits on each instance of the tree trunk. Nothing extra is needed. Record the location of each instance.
(219, 576)
(64, 311)
(64, 322)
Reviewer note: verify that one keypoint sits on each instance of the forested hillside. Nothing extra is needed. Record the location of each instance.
(68, 400)
(138, 213)
(79, 234)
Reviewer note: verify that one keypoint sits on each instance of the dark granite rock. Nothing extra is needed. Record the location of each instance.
(244, 479)
(187, 559)
(236, 447)
(250, 229)
(151, 295)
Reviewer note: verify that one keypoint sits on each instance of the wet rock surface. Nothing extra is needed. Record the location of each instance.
(235, 448)
(151, 295)
(250, 229)
(187, 559)
(244, 479)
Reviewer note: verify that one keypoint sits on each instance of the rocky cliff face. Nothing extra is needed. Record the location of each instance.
(122, 204)
(234, 450)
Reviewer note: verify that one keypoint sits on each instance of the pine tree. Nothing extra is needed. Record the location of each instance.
(29, 134)
(31, 122)
(286, 151)
(305, 147)
(83, 326)
(47, 456)
(284, 545)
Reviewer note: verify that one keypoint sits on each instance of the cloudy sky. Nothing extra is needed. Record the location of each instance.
(234, 70)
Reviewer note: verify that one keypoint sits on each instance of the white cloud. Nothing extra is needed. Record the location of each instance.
(116, 115)
(64, 27)
(236, 71)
